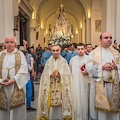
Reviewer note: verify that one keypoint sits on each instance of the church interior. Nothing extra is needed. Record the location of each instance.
(35, 20)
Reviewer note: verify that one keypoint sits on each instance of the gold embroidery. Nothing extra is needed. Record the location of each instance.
(110, 79)
(64, 87)
(18, 96)
(56, 96)
(101, 101)
(3, 98)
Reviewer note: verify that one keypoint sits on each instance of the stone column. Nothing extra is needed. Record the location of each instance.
(33, 26)
(109, 16)
(80, 35)
(88, 30)
(118, 22)
(42, 36)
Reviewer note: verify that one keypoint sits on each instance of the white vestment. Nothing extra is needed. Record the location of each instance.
(21, 80)
(107, 56)
(81, 86)
(56, 112)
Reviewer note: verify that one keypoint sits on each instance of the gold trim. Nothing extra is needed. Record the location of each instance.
(65, 85)
(3, 97)
(8, 68)
(18, 96)
(101, 101)
(105, 110)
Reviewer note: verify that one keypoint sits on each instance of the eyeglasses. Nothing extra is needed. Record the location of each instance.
(55, 50)
(107, 37)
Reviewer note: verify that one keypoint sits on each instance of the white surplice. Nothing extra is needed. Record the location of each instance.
(21, 80)
(80, 85)
(107, 56)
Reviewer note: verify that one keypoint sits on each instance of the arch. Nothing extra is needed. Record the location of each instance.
(66, 12)
(82, 2)
(85, 7)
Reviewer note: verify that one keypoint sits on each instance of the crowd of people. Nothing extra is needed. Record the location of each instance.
(79, 82)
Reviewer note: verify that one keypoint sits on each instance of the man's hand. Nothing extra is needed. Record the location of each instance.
(84, 72)
(113, 65)
(55, 74)
(3, 82)
(107, 66)
(65, 49)
(7, 82)
(24, 42)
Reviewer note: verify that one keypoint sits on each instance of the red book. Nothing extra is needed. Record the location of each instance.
(82, 67)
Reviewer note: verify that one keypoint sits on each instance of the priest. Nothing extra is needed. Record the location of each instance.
(13, 79)
(55, 93)
(105, 76)
(80, 79)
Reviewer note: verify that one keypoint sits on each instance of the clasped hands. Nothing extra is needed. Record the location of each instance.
(55, 74)
(7, 82)
(109, 66)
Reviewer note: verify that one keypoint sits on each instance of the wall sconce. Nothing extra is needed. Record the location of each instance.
(41, 26)
(76, 31)
(88, 15)
(33, 15)
(81, 26)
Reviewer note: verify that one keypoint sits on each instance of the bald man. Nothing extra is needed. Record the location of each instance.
(13, 79)
(104, 71)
